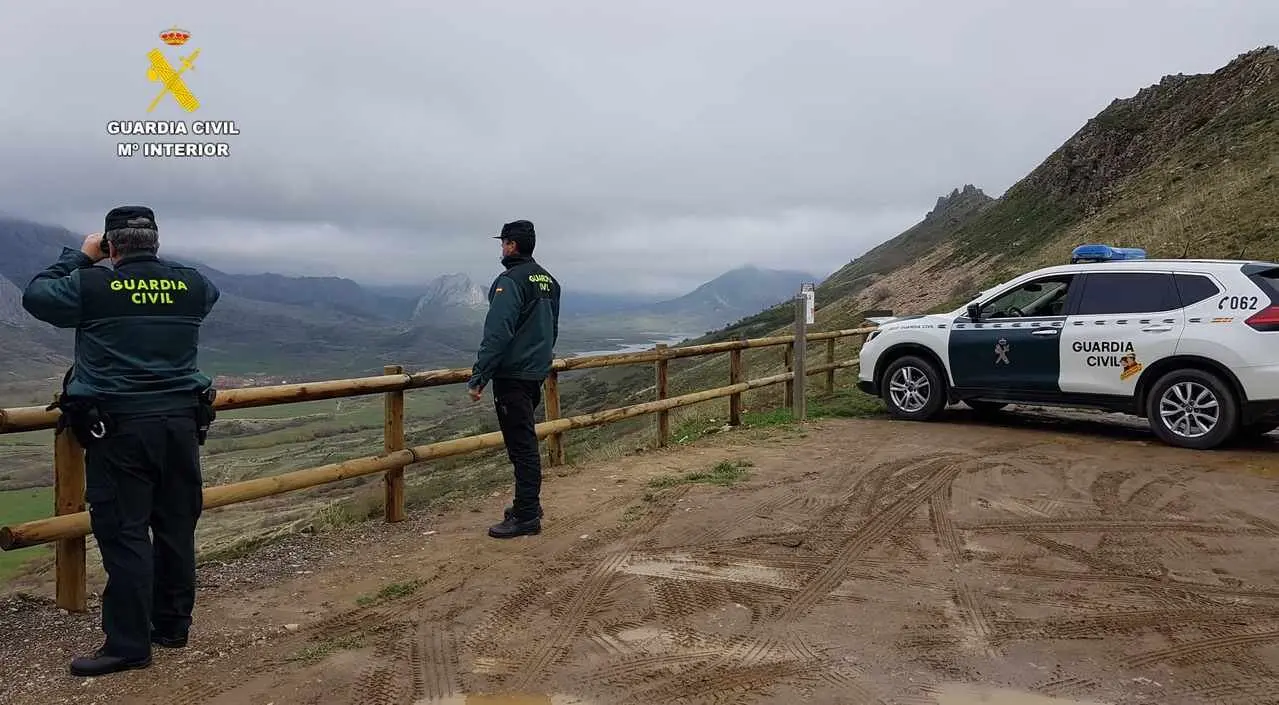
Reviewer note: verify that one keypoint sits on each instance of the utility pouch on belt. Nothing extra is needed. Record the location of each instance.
(205, 414)
(81, 415)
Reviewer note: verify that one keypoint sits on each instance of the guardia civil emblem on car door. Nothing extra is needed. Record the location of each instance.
(1001, 352)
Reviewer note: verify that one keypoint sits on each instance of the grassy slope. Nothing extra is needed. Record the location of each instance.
(18, 506)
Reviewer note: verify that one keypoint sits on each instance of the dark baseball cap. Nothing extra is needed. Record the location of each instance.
(121, 216)
(517, 230)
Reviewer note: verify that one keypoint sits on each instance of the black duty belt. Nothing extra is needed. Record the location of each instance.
(205, 413)
(90, 423)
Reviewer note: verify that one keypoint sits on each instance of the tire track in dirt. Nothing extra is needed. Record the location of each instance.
(370, 620)
(208, 682)
(942, 471)
(974, 615)
(971, 611)
(636, 670)
(1161, 584)
(1201, 647)
(939, 508)
(1245, 691)
(1105, 490)
(1103, 625)
(677, 600)
(1066, 687)
(694, 535)
(511, 613)
(826, 534)
(1265, 526)
(387, 680)
(434, 664)
(731, 670)
(555, 647)
(1076, 554)
(1109, 526)
(748, 667)
(212, 680)
(910, 547)
(1144, 498)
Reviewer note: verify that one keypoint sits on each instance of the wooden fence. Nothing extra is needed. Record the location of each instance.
(70, 524)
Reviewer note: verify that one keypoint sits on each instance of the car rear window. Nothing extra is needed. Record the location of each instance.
(1269, 280)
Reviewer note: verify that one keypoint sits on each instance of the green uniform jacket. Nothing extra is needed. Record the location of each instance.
(522, 324)
(137, 328)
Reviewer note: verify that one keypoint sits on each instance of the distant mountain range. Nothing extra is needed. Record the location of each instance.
(315, 327)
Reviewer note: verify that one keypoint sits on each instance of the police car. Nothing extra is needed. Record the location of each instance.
(1190, 345)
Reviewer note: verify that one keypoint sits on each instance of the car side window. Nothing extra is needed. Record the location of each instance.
(1045, 296)
(1127, 292)
(1194, 288)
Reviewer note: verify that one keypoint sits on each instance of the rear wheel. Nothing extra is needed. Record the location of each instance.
(913, 389)
(1192, 409)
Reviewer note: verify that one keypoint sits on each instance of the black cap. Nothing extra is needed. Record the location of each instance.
(517, 230)
(130, 217)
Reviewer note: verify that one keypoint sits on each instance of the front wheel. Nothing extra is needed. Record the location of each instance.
(913, 389)
(1192, 409)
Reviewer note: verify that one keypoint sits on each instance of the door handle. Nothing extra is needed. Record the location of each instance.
(1045, 331)
(1156, 329)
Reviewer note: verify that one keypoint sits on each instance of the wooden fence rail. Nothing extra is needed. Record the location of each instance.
(70, 524)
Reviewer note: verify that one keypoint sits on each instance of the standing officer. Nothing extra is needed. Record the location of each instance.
(140, 406)
(519, 336)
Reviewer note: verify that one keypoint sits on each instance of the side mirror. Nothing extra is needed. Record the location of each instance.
(974, 311)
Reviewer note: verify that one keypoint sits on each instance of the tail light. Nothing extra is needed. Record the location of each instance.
(1266, 320)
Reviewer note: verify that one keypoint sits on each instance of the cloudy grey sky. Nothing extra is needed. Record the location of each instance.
(654, 144)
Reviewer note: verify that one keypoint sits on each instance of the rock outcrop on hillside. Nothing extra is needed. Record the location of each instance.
(958, 205)
(450, 296)
(11, 311)
(1131, 134)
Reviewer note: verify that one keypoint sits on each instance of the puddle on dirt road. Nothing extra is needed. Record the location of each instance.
(505, 699)
(965, 694)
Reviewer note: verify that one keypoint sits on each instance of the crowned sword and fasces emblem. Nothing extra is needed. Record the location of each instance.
(1001, 352)
(161, 70)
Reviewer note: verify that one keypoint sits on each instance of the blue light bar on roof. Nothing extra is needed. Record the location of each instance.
(1105, 253)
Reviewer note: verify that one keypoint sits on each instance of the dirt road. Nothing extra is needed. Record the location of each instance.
(859, 563)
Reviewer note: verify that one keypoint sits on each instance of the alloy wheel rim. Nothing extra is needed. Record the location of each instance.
(909, 389)
(1189, 410)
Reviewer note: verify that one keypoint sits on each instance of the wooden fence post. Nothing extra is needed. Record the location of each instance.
(735, 377)
(788, 354)
(68, 498)
(393, 440)
(830, 360)
(554, 442)
(800, 366)
(663, 417)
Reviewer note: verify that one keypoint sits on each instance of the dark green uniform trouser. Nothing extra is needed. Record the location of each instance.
(145, 475)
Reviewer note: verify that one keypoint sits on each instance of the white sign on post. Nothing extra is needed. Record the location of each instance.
(810, 306)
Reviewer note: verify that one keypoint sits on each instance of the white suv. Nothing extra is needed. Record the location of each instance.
(1190, 345)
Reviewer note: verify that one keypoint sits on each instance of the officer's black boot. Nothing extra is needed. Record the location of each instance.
(100, 664)
(167, 641)
(510, 512)
(512, 527)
